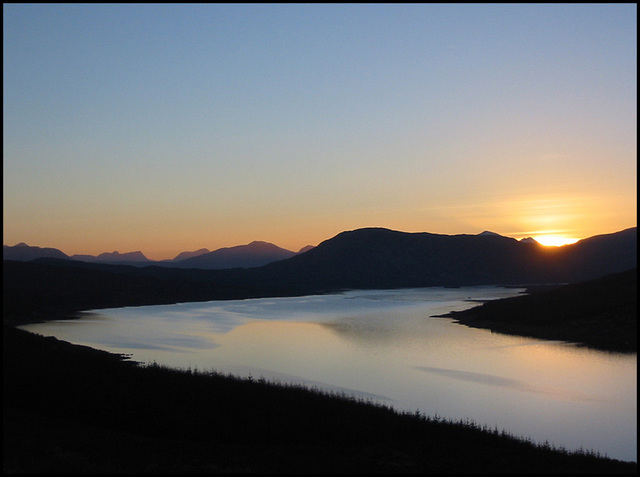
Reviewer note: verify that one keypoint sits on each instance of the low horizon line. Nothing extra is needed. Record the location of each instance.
(523, 236)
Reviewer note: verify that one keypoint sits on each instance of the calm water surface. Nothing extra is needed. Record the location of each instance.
(385, 345)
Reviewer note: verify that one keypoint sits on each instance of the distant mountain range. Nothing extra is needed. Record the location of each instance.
(255, 254)
(370, 258)
(383, 258)
(24, 252)
(185, 255)
(114, 257)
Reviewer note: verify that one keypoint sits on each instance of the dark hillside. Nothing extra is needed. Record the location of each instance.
(34, 289)
(601, 313)
(72, 409)
(595, 256)
(382, 258)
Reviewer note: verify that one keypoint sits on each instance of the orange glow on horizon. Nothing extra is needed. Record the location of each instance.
(554, 240)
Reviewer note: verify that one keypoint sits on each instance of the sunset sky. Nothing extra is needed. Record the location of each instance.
(172, 127)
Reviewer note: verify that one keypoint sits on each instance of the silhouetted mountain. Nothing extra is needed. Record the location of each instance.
(185, 255)
(597, 256)
(24, 252)
(254, 254)
(358, 259)
(306, 248)
(382, 258)
(129, 258)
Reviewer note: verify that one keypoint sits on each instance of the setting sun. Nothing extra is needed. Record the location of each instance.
(554, 240)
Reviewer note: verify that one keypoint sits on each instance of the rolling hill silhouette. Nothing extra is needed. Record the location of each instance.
(359, 259)
(383, 258)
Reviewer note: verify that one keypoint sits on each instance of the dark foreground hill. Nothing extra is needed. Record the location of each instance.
(601, 313)
(72, 409)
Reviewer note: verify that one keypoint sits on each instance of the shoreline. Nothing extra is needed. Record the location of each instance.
(468, 318)
(187, 421)
(481, 316)
(103, 413)
(601, 314)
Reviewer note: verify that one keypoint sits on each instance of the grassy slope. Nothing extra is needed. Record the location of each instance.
(69, 408)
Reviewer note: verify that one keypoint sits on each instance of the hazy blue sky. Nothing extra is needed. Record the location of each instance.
(172, 127)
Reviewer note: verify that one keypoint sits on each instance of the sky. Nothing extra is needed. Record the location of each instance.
(165, 128)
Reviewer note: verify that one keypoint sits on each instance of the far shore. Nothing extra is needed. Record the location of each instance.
(601, 314)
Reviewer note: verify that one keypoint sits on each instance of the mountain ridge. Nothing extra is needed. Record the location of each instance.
(24, 252)
(384, 258)
(380, 257)
(373, 258)
(114, 257)
(183, 255)
(254, 254)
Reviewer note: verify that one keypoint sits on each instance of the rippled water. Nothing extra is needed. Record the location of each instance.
(386, 346)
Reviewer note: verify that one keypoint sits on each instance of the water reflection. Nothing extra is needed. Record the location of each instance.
(515, 384)
(383, 346)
